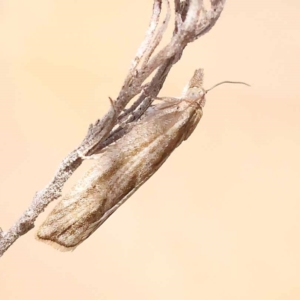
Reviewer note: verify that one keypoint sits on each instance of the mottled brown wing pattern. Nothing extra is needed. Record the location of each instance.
(121, 169)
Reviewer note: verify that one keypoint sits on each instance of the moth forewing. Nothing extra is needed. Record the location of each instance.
(120, 170)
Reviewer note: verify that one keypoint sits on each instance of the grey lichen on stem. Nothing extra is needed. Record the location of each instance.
(192, 20)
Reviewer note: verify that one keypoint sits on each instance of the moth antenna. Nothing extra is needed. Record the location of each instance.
(234, 82)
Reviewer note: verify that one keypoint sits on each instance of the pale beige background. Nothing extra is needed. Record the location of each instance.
(220, 220)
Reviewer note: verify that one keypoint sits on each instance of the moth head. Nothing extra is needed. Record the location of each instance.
(196, 92)
(195, 95)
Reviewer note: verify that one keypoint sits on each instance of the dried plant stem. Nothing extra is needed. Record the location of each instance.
(192, 20)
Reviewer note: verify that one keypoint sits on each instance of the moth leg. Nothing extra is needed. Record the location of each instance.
(166, 99)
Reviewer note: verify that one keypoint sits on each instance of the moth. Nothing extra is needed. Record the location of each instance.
(123, 167)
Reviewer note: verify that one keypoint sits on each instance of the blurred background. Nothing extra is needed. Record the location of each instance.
(220, 219)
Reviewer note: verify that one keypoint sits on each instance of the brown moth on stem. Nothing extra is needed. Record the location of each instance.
(146, 76)
(124, 166)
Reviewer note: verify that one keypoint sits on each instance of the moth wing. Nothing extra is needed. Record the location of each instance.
(85, 208)
(72, 221)
(66, 225)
